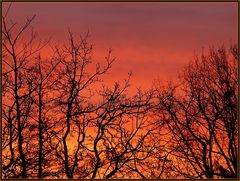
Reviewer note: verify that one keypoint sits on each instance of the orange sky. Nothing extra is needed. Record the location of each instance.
(153, 40)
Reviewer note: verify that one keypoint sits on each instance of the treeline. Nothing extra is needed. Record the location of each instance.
(57, 122)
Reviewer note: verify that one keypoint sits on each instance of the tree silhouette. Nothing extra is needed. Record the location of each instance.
(42, 76)
(61, 121)
(203, 115)
(17, 90)
(120, 131)
(73, 88)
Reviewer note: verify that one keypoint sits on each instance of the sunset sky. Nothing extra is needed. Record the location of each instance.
(153, 40)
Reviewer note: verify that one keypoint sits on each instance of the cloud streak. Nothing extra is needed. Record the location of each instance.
(159, 36)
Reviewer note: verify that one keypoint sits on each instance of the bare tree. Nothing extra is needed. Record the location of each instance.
(42, 76)
(59, 122)
(202, 116)
(17, 101)
(75, 80)
(121, 131)
(49, 111)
